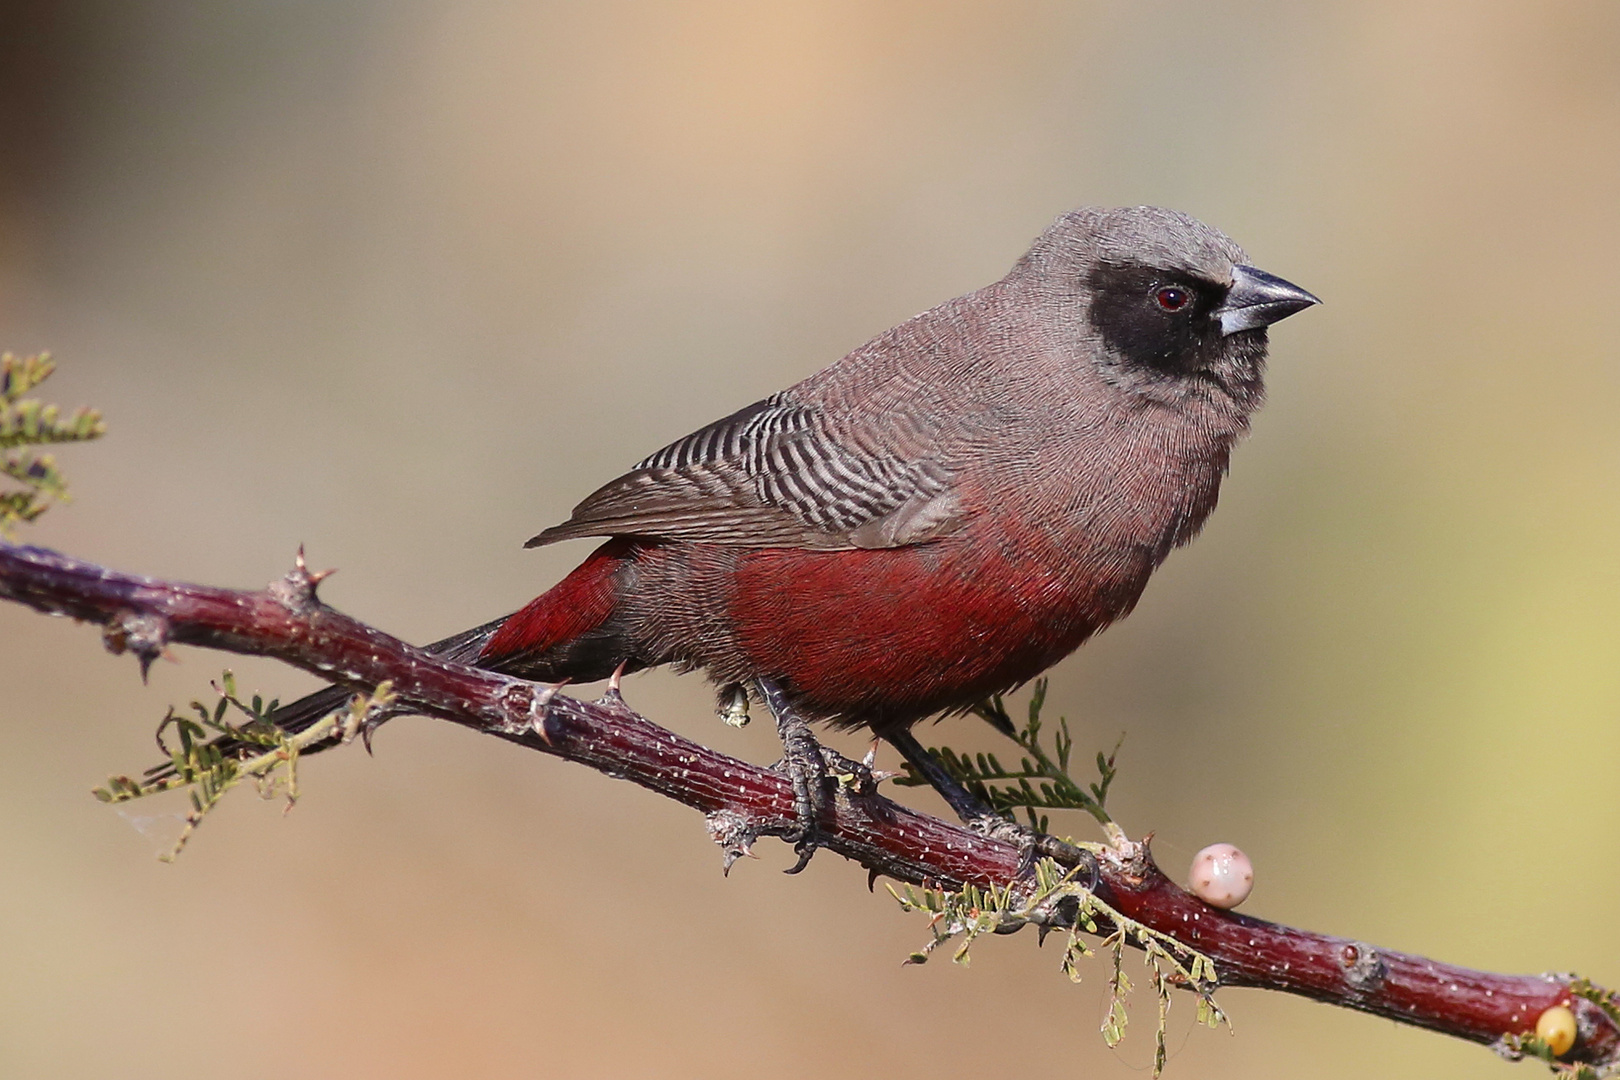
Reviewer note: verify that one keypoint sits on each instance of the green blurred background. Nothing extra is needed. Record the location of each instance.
(404, 281)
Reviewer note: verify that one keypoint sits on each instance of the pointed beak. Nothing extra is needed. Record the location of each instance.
(1258, 299)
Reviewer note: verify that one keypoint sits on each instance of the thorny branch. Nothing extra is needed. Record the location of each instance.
(741, 801)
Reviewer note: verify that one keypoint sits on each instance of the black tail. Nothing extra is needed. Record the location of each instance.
(300, 715)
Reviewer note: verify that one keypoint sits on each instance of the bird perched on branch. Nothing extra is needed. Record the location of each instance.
(942, 514)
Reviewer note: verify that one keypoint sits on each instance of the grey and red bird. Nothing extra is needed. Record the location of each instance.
(942, 514)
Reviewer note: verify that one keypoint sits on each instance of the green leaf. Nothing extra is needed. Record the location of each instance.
(27, 423)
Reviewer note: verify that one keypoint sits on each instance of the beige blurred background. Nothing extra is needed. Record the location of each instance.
(403, 281)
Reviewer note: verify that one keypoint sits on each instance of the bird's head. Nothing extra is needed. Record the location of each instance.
(1161, 302)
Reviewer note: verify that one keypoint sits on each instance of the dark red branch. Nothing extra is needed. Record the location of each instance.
(742, 801)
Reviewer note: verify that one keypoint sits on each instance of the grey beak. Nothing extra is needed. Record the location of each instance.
(1258, 299)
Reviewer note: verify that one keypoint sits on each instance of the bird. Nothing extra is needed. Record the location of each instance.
(939, 516)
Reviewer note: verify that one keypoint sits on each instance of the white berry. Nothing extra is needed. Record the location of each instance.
(1221, 876)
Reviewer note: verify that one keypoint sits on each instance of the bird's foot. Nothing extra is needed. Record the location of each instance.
(859, 779)
(806, 770)
(820, 787)
(805, 763)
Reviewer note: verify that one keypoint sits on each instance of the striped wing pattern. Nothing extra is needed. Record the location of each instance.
(769, 475)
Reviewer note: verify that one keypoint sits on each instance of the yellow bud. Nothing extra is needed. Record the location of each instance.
(1556, 1028)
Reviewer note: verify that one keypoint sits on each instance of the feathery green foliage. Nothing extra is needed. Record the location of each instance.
(1060, 899)
(26, 423)
(1040, 782)
(199, 764)
(1607, 1000)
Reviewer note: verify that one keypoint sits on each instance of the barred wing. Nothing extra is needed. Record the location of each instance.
(771, 475)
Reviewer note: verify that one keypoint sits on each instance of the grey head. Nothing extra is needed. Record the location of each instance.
(1163, 304)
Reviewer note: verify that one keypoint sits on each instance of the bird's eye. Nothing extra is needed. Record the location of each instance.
(1172, 297)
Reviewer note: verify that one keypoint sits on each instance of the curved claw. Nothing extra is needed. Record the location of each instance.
(805, 849)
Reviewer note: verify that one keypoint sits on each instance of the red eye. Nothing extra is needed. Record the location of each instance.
(1173, 297)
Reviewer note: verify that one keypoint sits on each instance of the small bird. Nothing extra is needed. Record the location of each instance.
(941, 515)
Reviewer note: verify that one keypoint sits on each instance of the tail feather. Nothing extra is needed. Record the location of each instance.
(569, 632)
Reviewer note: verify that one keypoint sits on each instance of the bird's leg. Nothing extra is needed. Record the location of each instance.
(976, 815)
(803, 762)
(967, 805)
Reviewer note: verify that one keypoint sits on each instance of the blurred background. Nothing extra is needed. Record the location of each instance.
(402, 281)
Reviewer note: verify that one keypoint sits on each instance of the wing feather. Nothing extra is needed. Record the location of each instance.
(772, 475)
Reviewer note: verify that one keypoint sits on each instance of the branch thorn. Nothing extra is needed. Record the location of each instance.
(539, 710)
(296, 591)
(145, 635)
(612, 697)
(735, 836)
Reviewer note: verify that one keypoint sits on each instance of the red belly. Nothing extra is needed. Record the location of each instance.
(890, 636)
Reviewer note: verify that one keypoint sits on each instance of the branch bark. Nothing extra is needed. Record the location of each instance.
(742, 801)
